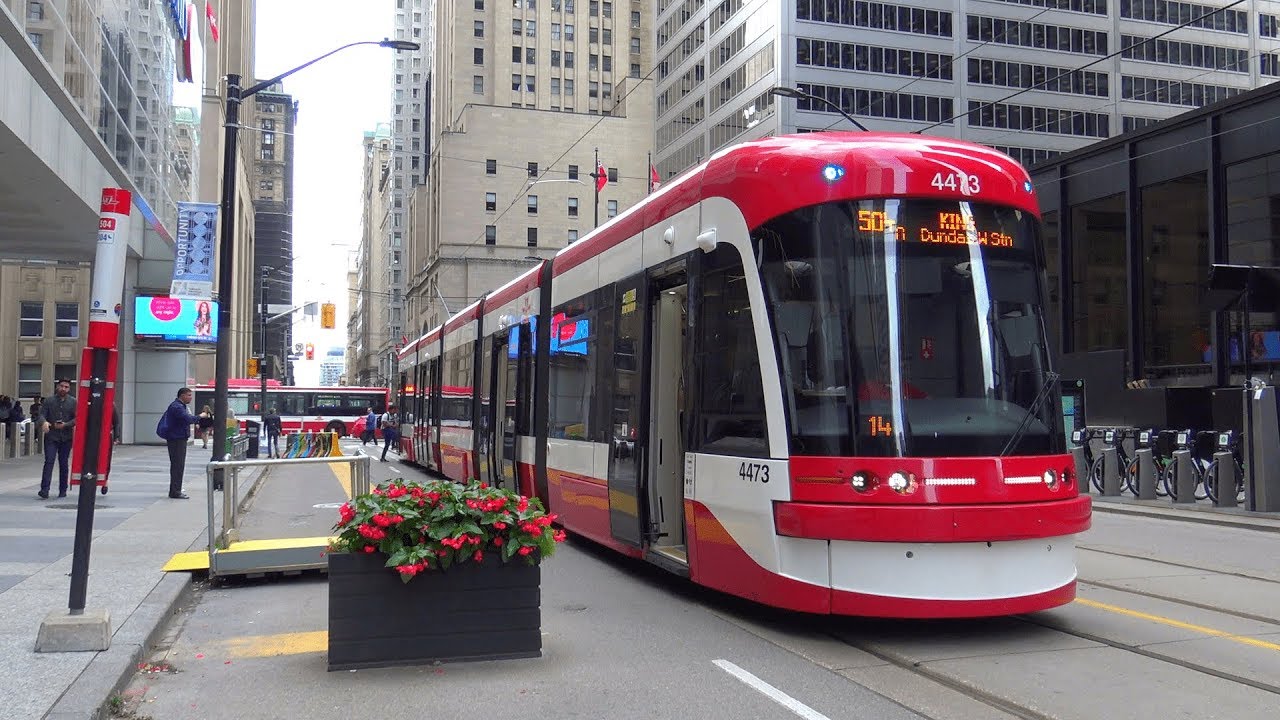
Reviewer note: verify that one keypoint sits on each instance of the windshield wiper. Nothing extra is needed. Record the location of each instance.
(1050, 379)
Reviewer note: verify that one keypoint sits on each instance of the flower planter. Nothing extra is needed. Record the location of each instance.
(486, 610)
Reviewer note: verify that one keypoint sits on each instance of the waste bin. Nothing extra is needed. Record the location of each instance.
(252, 429)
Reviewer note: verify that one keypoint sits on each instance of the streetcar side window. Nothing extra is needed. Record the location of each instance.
(731, 417)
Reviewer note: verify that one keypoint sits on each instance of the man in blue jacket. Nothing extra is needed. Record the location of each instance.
(175, 428)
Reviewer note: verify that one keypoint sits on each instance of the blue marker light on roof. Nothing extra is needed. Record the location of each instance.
(832, 173)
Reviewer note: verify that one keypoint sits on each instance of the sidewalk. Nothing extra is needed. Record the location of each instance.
(136, 530)
(1199, 512)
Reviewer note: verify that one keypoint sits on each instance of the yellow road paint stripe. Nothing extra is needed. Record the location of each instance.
(1179, 624)
(342, 471)
(260, 646)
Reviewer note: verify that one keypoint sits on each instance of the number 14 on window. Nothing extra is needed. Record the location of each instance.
(877, 425)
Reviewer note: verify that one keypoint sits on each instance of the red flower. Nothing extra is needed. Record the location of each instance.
(523, 504)
(369, 548)
(498, 541)
(525, 550)
(558, 536)
(500, 526)
(478, 556)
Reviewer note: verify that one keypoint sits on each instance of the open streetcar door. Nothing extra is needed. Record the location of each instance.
(500, 425)
(627, 510)
(664, 466)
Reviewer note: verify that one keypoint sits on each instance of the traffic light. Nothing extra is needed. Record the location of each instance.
(327, 311)
(311, 351)
(253, 367)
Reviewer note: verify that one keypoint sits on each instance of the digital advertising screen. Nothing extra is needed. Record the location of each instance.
(175, 319)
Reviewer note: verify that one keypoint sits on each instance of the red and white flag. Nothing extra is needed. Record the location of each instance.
(654, 179)
(602, 177)
(213, 19)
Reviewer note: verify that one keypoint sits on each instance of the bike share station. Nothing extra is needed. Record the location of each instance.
(1184, 443)
(284, 522)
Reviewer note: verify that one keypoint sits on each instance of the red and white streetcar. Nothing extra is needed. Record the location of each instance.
(812, 371)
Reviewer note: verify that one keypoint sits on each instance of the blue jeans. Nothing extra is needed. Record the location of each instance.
(61, 449)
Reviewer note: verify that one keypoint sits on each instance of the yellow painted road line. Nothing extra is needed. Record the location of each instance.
(342, 471)
(261, 646)
(1179, 624)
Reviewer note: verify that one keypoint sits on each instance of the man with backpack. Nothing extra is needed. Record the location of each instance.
(175, 427)
(390, 424)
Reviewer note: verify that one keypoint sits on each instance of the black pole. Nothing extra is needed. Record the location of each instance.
(226, 273)
(595, 175)
(262, 355)
(1246, 349)
(88, 481)
(649, 171)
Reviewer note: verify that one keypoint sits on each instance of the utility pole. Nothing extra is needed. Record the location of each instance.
(262, 344)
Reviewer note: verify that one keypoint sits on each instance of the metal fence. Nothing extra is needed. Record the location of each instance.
(20, 440)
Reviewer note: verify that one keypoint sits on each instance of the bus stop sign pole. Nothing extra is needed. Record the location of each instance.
(91, 444)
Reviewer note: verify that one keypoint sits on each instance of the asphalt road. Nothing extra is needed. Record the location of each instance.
(1174, 620)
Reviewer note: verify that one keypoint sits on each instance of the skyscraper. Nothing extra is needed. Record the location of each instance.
(272, 180)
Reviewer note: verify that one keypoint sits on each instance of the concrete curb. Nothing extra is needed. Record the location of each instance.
(1190, 516)
(111, 670)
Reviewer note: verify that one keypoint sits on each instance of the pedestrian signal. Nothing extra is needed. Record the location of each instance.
(327, 311)
(311, 351)
(253, 367)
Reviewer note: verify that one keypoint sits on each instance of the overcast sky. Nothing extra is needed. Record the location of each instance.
(338, 98)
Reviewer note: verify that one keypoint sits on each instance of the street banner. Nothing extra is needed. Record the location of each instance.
(193, 263)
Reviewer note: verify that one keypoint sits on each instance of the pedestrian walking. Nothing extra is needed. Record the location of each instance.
(390, 430)
(115, 439)
(370, 426)
(57, 422)
(175, 427)
(271, 425)
(205, 424)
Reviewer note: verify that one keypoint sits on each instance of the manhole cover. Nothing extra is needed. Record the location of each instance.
(73, 506)
(328, 506)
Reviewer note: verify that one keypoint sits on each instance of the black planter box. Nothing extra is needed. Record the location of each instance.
(472, 611)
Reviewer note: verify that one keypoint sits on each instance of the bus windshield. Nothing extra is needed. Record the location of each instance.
(910, 327)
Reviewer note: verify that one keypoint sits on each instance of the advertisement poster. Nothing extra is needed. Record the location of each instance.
(176, 319)
(194, 251)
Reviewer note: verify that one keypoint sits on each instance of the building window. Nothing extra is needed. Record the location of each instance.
(530, 56)
(477, 56)
(533, 169)
(555, 31)
(593, 8)
(607, 36)
(635, 19)
(635, 46)
(555, 86)
(528, 83)
(613, 175)
(608, 64)
(531, 29)
(37, 40)
(268, 152)
(477, 84)
(593, 88)
(479, 28)
(491, 167)
(608, 9)
(67, 324)
(613, 208)
(479, 4)
(573, 236)
(593, 35)
(1175, 248)
(568, 32)
(29, 382)
(573, 207)
(31, 320)
(35, 10)
(517, 27)
(533, 204)
(490, 234)
(568, 87)
(490, 201)
(515, 82)
(517, 53)
(532, 239)
(573, 172)
(555, 58)
(1099, 284)
(635, 70)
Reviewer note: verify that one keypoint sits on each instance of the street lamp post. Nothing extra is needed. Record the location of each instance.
(595, 176)
(798, 94)
(226, 254)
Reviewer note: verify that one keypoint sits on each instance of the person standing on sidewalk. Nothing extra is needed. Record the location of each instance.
(271, 426)
(370, 426)
(175, 427)
(57, 421)
(390, 430)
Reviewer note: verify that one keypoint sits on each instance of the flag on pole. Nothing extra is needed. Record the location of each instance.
(654, 179)
(602, 177)
(213, 19)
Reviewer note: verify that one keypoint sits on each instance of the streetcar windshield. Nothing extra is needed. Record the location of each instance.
(909, 327)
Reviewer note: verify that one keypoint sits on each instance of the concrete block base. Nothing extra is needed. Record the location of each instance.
(62, 632)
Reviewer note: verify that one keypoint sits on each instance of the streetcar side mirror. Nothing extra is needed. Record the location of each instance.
(707, 240)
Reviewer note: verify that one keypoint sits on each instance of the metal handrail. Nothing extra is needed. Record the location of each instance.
(360, 485)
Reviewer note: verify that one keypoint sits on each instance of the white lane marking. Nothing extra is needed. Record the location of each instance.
(771, 692)
(394, 470)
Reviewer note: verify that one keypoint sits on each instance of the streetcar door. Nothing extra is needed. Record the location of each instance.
(666, 417)
(626, 430)
(501, 415)
(433, 415)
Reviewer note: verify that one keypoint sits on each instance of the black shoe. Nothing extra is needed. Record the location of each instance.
(104, 489)
(44, 494)
(180, 496)
(62, 494)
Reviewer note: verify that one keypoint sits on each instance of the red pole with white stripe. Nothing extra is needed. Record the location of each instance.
(95, 395)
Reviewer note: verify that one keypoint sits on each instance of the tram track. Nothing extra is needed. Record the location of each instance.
(1183, 566)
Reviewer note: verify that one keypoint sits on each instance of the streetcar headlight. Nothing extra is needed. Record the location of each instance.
(902, 482)
(863, 481)
(1050, 479)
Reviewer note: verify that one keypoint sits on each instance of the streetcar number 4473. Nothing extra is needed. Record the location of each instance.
(754, 472)
(963, 183)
